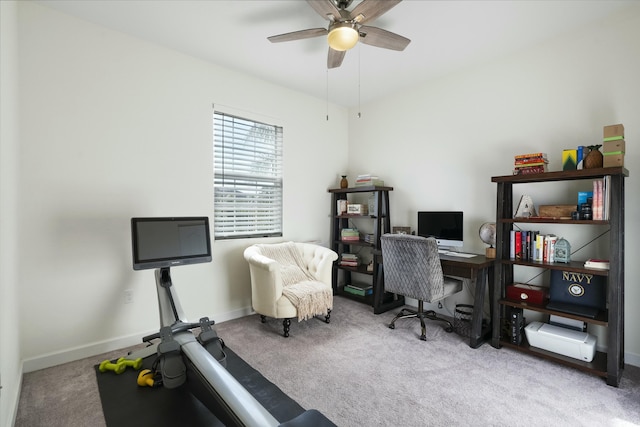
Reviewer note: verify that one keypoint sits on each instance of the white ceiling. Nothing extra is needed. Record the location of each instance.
(445, 36)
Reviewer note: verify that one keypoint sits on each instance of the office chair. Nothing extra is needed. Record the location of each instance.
(411, 267)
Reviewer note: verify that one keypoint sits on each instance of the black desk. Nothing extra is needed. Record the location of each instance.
(480, 270)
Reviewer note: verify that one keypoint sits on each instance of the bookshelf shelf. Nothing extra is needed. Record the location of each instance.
(378, 215)
(610, 362)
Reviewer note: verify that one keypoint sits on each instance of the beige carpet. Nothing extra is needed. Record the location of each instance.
(358, 372)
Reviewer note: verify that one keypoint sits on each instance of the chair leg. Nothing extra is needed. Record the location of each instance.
(263, 318)
(431, 315)
(423, 337)
(328, 316)
(286, 323)
(406, 313)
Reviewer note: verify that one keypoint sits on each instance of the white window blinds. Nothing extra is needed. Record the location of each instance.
(247, 178)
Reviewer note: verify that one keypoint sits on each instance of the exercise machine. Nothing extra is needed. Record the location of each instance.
(184, 359)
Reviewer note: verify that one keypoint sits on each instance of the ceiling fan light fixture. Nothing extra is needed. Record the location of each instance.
(343, 37)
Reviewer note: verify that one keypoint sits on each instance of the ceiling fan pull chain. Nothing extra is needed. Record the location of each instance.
(359, 109)
(327, 94)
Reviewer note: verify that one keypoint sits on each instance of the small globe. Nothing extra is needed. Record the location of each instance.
(488, 233)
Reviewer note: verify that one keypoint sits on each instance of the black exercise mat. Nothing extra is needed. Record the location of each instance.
(125, 404)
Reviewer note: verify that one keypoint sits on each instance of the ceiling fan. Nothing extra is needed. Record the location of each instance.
(347, 28)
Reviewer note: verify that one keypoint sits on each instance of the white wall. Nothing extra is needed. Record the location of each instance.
(10, 357)
(442, 141)
(113, 127)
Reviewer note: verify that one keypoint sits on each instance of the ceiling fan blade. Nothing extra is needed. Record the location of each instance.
(378, 37)
(368, 10)
(335, 57)
(298, 35)
(325, 8)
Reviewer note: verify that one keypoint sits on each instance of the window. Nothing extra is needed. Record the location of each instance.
(247, 178)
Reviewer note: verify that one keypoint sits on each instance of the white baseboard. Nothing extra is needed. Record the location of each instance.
(632, 359)
(93, 349)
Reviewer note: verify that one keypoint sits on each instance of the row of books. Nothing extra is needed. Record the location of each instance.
(601, 198)
(368, 180)
(349, 260)
(532, 246)
(530, 163)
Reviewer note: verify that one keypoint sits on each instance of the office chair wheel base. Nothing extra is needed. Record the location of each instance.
(392, 326)
(448, 329)
(423, 337)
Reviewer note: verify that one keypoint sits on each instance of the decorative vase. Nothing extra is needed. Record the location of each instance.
(343, 182)
(593, 159)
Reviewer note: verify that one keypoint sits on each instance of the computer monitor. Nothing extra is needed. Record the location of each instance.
(444, 226)
(168, 242)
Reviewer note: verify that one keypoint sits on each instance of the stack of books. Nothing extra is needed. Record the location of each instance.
(368, 238)
(349, 234)
(602, 264)
(361, 289)
(369, 180)
(349, 260)
(530, 163)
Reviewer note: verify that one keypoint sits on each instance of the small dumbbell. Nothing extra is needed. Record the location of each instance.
(106, 365)
(135, 363)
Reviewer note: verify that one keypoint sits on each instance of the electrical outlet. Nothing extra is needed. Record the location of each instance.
(128, 296)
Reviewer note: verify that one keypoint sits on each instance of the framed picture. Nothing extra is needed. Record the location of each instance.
(401, 230)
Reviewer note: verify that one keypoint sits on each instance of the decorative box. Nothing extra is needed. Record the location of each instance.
(528, 293)
(356, 209)
(614, 159)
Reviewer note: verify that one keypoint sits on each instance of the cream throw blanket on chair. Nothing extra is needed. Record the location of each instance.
(309, 296)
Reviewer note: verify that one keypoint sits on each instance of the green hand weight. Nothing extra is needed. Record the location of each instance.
(106, 365)
(135, 363)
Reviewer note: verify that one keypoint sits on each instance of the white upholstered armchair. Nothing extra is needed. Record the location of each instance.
(290, 280)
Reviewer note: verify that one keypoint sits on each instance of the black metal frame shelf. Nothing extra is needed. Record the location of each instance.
(610, 363)
(380, 300)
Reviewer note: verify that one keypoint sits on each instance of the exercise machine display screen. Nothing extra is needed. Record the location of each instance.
(171, 241)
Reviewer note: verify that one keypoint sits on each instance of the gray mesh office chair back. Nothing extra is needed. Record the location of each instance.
(412, 268)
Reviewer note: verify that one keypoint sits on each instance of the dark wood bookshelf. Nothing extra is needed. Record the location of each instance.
(610, 362)
(380, 300)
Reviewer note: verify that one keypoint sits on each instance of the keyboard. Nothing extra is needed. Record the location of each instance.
(457, 254)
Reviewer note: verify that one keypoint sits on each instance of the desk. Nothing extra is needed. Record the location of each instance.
(479, 269)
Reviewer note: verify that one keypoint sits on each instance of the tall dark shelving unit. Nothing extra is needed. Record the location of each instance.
(380, 300)
(610, 363)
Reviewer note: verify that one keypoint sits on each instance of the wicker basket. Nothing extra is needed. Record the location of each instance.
(462, 319)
